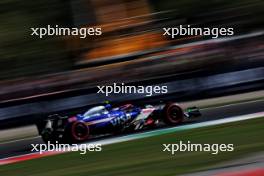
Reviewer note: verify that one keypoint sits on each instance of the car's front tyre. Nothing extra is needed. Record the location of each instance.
(173, 114)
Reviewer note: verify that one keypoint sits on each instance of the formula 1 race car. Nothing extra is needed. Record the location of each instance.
(105, 119)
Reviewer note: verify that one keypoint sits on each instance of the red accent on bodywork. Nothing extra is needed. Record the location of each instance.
(149, 121)
(72, 119)
(149, 110)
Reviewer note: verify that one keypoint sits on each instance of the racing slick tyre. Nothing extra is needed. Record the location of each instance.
(173, 114)
(79, 131)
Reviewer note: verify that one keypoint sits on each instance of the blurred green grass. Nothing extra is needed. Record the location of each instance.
(145, 156)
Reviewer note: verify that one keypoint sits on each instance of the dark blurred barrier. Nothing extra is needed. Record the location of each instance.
(203, 86)
(183, 61)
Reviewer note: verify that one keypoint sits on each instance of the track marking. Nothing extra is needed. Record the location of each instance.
(181, 128)
(233, 104)
(19, 140)
(131, 137)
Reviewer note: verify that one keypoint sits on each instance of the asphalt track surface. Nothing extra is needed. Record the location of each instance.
(23, 146)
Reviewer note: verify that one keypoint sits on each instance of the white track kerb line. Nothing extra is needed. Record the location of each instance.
(146, 134)
(181, 128)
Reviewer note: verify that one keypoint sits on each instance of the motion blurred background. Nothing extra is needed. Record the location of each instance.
(131, 49)
(130, 28)
(59, 74)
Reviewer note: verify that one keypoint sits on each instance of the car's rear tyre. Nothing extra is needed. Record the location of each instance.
(173, 114)
(79, 131)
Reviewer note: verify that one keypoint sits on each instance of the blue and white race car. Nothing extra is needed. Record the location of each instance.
(105, 119)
